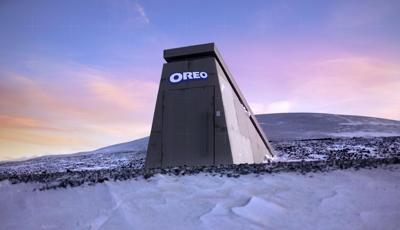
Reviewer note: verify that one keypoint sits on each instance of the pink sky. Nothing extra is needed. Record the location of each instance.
(80, 77)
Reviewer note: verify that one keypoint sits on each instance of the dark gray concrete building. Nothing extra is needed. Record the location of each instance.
(201, 117)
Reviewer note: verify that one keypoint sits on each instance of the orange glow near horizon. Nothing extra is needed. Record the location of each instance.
(49, 117)
(77, 76)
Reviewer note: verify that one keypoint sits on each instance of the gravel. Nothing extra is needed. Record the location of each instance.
(302, 156)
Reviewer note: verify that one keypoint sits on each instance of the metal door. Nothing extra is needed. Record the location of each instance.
(188, 127)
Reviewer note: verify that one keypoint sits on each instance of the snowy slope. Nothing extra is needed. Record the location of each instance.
(298, 126)
(286, 126)
(283, 129)
(132, 146)
(109, 157)
(295, 126)
(346, 199)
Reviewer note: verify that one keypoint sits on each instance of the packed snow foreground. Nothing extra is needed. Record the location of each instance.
(340, 199)
(317, 181)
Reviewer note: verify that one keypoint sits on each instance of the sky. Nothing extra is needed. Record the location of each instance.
(79, 75)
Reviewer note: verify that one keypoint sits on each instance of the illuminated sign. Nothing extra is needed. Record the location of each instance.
(178, 77)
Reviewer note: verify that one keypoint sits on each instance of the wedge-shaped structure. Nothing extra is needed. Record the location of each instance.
(201, 117)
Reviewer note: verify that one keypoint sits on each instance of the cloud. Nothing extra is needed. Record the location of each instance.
(365, 13)
(346, 76)
(274, 107)
(21, 122)
(128, 13)
(75, 108)
(358, 85)
(129, 95)
(140, 10)
(322, 79)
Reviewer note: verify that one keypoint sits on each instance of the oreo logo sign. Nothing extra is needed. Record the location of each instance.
(178, 77)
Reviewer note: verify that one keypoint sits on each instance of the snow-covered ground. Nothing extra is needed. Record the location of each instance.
(341, 199)
(337, 148)
(106, 188)
(113, 156)
(286, 130)
(132, 154)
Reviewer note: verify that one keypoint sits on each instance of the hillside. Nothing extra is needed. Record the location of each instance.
(277, 127)
(300, 126)
(295, 126)
(285, 130)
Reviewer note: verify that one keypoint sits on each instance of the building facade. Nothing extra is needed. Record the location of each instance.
(201, 117)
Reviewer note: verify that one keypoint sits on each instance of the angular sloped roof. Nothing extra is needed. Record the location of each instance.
(210, 50)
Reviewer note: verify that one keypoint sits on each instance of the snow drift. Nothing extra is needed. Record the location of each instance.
(347, 199)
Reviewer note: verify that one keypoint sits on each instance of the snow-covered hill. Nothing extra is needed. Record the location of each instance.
(300, 126)
(284, 130)
(131, 146)
(297, 126)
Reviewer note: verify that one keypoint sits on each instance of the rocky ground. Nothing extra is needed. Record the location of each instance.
(338, 148)
(300, 156)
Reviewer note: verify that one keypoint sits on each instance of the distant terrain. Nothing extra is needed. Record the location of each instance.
(326, 165)
(295, 136)
(300, 126)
